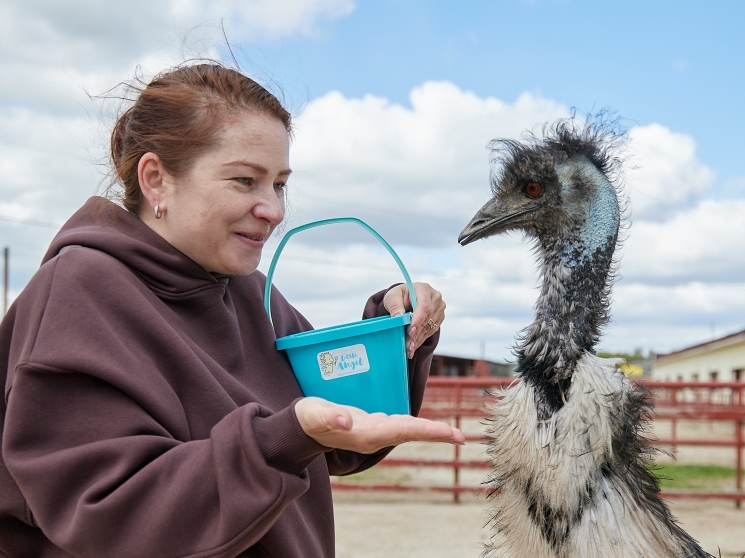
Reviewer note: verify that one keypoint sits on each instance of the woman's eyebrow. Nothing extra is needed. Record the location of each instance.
(259, 168)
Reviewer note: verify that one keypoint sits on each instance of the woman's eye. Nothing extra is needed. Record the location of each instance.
(533, 189)
(246, 181)
(280, 185)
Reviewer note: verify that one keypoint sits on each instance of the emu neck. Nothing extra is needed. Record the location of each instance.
(574, 301)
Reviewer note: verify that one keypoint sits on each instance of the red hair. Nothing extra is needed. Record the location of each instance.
(178, 115)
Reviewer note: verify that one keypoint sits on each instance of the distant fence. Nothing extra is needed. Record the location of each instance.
(455, 398)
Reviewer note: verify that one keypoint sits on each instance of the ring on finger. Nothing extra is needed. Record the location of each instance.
(431, 324)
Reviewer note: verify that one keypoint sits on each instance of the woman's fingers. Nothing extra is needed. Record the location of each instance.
(349, 428)
(397, 300)
(374, 432)
(318, 416)
(428, 316)
(408, 429)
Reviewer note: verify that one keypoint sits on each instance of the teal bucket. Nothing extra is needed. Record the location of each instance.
(362, 364)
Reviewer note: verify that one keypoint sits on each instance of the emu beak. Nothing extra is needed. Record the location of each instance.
(492, 219)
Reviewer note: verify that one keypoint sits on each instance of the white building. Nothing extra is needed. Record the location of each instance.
(720, 360)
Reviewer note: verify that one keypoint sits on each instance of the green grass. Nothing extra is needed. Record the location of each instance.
(672, 476)
(694, 477)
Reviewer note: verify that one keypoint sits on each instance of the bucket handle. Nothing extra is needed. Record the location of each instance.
(270, 273)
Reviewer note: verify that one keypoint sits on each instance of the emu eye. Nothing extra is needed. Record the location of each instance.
(533, 189)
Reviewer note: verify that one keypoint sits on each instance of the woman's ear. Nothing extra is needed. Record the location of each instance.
(151, 175)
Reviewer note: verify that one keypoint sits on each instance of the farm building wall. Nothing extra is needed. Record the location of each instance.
(718, 360)
(444, 365)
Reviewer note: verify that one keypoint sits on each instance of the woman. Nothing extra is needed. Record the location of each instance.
(148, 412)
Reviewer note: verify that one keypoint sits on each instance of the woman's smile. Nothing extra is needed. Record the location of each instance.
(222, 212)
(255, 240)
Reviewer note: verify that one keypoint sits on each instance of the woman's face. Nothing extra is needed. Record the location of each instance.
(225, 209)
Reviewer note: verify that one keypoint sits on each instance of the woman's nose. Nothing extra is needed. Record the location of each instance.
(271, 207)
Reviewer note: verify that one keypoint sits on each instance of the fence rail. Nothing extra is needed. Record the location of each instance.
(456, 398)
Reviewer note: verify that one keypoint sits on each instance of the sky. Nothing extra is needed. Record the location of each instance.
(394, 103)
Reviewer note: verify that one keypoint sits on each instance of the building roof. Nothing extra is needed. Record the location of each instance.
(721, 343)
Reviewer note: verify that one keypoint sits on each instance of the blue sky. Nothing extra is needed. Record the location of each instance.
(679, 63)
(394, 103)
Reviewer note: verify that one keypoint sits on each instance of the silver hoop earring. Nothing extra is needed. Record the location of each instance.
(158, 214)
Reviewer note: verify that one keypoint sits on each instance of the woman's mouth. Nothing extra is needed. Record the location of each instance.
(251, 239)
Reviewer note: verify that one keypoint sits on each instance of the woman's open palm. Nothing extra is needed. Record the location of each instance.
(350, 428)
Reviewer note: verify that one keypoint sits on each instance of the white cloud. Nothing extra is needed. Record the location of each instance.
(277, 18)
(678, 278)
(426, 167)
(94, 30)
(421, 171)
(53, 138)
(417, 173)
(47, 163)
(735, 187)
(704, 243)
(670, 317)
(330, 284)
(50, 52)
(664, 175)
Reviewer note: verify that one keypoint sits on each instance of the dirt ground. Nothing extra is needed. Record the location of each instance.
(414, 525)
(392, 526)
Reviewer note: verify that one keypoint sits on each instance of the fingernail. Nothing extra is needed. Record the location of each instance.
(412, 331)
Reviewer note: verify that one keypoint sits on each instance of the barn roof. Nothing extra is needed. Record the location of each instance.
(721, 343)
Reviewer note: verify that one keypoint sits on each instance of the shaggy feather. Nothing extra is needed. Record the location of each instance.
(570, 456)
(578, 484)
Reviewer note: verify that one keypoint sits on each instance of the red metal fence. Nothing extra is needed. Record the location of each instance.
(455, 398)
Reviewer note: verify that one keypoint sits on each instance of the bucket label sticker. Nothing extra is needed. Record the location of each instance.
(346, 361)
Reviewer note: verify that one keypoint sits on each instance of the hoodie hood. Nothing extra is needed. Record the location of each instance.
(104, 226)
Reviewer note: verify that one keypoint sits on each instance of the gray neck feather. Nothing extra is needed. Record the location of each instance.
(574, 301)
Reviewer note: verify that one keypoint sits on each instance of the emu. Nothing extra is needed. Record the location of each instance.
(570, 475)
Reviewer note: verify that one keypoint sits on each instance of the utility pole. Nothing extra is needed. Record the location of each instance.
(6, 265)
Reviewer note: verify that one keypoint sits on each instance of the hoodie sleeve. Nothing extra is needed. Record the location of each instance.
(102, 478)
(341, 462)
(98, 441)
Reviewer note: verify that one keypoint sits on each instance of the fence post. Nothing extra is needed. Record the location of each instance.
(738, 447)
(456, 468)
(448, 398)
(674, 422)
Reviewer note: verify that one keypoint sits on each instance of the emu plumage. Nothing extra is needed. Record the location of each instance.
(570, 458)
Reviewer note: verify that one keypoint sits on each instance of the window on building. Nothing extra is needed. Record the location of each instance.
(714, 376)
(738, 375)
(694, 377)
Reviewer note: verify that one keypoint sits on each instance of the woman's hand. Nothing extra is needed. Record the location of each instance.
(428, 315)
(350, 428)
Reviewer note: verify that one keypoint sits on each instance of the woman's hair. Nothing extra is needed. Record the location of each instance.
(178, 115)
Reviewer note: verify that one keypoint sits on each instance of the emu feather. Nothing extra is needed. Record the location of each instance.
(570, 475)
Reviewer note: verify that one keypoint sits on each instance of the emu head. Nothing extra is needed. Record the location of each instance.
(559, 190)
(555, 188)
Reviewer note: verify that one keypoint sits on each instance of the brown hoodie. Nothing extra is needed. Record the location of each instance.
(147, 412)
